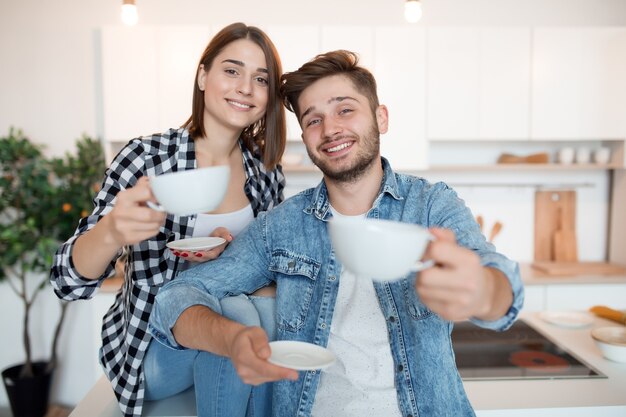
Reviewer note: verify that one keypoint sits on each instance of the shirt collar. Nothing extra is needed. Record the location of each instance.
(320, 206)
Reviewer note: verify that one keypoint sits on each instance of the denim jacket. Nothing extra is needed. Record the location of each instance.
(290, 246)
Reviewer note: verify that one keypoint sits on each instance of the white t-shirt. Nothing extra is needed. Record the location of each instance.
(361, 382)
(235, 222)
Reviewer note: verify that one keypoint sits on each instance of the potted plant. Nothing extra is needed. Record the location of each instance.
(41, 201)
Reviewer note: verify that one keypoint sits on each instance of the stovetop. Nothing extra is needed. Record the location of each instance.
(518, 353)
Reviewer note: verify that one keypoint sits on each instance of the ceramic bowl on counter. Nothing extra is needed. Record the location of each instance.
(612, 342)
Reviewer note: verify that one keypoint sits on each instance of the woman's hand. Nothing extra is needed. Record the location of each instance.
(207, 255)
(131, 221)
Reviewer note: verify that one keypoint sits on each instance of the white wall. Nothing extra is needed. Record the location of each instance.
(49, 87)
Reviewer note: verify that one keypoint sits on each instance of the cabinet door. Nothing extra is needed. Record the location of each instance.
(453, 83)
(478, 83)
(129, 80)
(504, 87)
(584, 296)
(358, 39)
(400, 71)
(179, 49)
(579, 87)
(296, 45)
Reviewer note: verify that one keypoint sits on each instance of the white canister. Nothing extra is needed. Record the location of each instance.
(602, 155)
(583, 155)
(566, 155)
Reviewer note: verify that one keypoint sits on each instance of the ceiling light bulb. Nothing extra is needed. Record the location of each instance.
(412, 11)
(129, 13)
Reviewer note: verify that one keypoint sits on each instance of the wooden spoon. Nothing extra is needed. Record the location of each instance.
(497, 227)
(480, 221)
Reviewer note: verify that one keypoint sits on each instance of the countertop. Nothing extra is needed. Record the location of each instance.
(512, 398)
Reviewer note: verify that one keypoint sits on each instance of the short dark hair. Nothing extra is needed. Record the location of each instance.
(340, 62)
(270, 132)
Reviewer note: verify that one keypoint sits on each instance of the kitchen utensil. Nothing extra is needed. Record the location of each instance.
(578, 268)
(196, 243)
(609, 313)
(569, 319)
(301, 356)
(379, 249)
(611, 341)
(554, 210)
(480, 221)
(190, 192)
(495, 230)
(564, 241)
(536, 158)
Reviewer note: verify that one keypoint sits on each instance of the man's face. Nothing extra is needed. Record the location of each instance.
(339, 129)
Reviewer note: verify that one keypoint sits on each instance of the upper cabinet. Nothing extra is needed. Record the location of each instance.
(579, 83)
(478, 83)
(147, 78)
(401, 79)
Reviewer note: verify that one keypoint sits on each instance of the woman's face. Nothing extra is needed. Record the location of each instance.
(235, 87)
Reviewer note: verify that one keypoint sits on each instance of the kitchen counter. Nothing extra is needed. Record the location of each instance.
(532, 276)
(510, 398)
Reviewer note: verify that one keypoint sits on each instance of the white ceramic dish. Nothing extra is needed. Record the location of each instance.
(301, 356)
(379, 249)
(196, 243)
(612, 342)
(569, 319)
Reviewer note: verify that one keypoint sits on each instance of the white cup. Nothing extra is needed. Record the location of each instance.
(583, 155)
(602, 155)
(190, 192)
(379, 249)
(566, 155)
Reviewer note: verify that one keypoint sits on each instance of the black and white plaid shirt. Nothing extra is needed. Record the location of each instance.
(124, 330)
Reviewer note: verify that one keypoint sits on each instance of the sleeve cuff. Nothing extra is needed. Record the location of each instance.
(170, 303)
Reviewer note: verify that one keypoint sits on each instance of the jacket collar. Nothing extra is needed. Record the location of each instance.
(320, 205)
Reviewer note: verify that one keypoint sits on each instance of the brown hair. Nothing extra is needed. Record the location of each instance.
(340, 62)
(269, 133)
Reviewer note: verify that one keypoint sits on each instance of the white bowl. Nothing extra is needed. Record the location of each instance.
(378, 249)
(190, 192)
(612, 342)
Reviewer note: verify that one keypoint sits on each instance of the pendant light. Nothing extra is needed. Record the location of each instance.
(129, 12)
(413, 11)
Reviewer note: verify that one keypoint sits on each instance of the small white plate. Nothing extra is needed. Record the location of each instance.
(301, 356)
(196, 243)
(568, 319)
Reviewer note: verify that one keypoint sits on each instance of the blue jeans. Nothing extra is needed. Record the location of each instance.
(219, 390)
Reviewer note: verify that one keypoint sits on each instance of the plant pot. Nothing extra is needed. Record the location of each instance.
(28, 396)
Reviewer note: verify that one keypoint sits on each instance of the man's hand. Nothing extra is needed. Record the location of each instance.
(458, 286)
(249, 352)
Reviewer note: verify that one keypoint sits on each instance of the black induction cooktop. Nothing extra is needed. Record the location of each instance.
(518, 353)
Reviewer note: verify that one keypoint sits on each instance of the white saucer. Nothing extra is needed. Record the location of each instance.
(568, 319)
(301, 356)
(196, 243)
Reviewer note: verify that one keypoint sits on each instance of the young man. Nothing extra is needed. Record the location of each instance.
(392, 339)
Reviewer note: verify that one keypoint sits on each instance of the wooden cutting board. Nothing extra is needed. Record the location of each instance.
(579, 268)
(555, 226)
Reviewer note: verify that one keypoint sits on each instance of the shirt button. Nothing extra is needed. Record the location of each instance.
(323, 325)
(400, 368)
(332, 277)
(392, 319)
(291, 264)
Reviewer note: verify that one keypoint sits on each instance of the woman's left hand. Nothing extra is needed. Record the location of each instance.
(207, 255)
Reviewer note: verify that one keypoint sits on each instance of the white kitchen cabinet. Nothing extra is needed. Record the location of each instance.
(359, 39)
(296, 45)
(129, 81)
(579, 86)
(401, 78)
(147, 79)
(478, 83)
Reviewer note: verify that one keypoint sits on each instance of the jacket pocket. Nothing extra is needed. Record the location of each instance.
(416, 309)
(295, 277)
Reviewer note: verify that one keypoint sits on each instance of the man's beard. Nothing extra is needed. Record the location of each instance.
(365, 158)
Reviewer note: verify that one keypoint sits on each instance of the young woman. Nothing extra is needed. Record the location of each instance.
(237, 119)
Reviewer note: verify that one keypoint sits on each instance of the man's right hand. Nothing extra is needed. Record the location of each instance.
(249, 351)
(131, 221)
